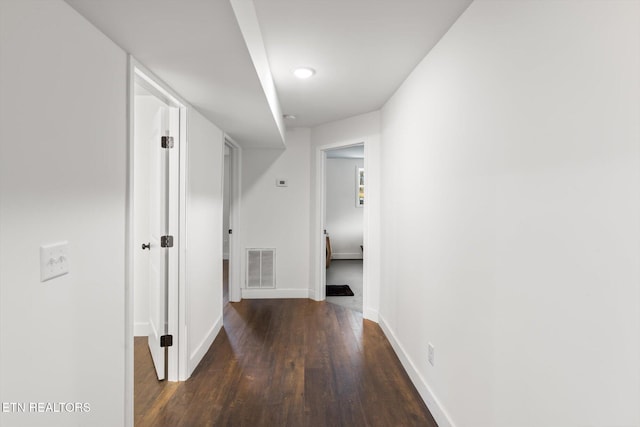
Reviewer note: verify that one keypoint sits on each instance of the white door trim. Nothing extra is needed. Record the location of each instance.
(318, 290)
(235, 251)
(177, 303)
(128, 251)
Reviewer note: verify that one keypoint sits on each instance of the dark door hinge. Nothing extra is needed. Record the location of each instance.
(167, 142)
(166, 241)
(230, 231)
(166, 340)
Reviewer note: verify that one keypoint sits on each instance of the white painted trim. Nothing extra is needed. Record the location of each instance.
(141, 329)
(318, 239)
(371, 314)
(224, 148)
(346, 255)
(235, 251)
(157, 83)
(202, 348)
(366, 241)
(180, 325)
(435, 407)
(177, 304)
(318, 289)
(129, 248)
(274, 293)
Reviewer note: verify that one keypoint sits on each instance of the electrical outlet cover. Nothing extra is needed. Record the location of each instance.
(54, 260)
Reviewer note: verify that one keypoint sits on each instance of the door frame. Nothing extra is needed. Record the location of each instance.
(176, 303)
(235, 190)
(318, 290)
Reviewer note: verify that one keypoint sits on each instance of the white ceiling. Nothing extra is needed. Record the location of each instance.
(197, 48)
(361, 49)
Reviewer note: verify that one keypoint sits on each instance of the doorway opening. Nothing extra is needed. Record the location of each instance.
(231, 218)
(227, 231)
(343, 218)
(157, 127)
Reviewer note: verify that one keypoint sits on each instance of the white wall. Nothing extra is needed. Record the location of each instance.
(511, 216)
(363, 128)
(205, 157)
(278, 217)
(146, 107)
(343, 217)
(63, 151)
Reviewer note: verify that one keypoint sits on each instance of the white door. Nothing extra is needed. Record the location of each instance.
(158, 226)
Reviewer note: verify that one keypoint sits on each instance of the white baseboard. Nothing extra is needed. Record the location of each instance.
(141, 329)
(274, 293)
(370, 314)
(313, 295)
(196, 355)
(346, 255)
(437, 410)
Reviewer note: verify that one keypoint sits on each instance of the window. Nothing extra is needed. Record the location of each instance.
(359, 187)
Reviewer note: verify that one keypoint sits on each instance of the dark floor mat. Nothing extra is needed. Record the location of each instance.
(339, 291)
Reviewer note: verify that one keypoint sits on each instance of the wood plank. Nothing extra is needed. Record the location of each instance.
(285, 363)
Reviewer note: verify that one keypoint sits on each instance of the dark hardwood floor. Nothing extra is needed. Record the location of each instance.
(289, 362)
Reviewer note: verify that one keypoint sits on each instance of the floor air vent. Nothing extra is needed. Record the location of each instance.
(261, 268)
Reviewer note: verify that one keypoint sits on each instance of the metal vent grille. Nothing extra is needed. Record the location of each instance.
(261, 268)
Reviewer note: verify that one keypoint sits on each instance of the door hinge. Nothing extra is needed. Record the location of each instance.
(166, 340)
(166, 241)
(167, 142)
(230, 231)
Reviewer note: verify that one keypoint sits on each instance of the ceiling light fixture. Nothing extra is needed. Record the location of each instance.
(303, 72)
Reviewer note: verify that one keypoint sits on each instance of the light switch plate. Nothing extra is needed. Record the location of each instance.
(54, 260)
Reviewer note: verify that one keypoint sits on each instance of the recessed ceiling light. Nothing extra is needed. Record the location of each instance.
(304, 72)
(289, 116)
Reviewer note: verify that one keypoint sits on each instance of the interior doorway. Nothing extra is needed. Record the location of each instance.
(343, 218)
(231, 218)
(157, 124)
(227, 231)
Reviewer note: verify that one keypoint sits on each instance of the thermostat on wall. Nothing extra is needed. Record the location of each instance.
(281, 183)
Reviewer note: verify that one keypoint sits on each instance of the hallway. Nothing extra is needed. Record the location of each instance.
(291, 362)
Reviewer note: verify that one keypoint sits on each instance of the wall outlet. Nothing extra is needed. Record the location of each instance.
(431, 354)
(281, 183)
